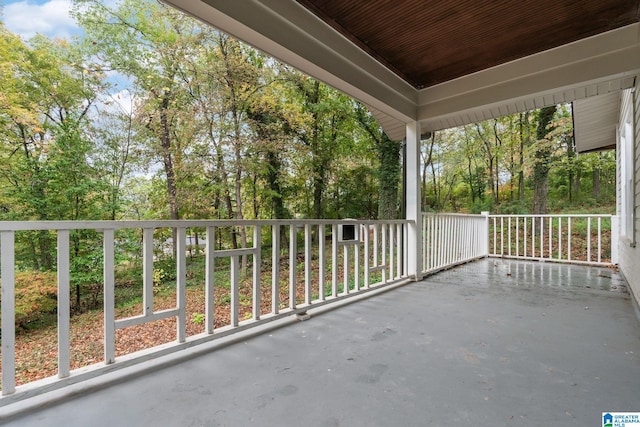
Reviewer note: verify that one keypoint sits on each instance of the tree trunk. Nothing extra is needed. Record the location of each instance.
(541, 161)
(595, 175)
(388, 176)
(167, 159)
(524, 120)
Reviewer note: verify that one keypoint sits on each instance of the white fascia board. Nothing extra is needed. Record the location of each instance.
(614, 54)
(292, 34)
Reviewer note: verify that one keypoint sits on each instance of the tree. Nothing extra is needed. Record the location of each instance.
(388, 152)
(543, 151)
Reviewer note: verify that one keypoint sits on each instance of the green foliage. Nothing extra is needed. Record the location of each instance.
(36, 296)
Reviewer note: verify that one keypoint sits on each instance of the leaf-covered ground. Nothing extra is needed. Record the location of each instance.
(36, 351)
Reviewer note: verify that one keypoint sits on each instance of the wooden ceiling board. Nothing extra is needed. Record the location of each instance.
(430, 42)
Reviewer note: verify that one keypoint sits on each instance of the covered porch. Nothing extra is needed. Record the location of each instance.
(491, 342)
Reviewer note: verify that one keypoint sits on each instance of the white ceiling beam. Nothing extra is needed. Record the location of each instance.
(603, 60)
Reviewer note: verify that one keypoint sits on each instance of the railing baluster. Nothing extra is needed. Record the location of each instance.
(501, 235)
(308, 257)
(385, 276)
(356, 261)
(600, 239)
(64, 312)
(534, 220)
(345, 269)
(495, 236)
(542, 220)
(367, 254)
(589, 239)
(424, 242)
(525, 237)
(209, 280)
(147, 270)
(569, 238)
(392, 234)
(257, 271)
(321, 261)
(109, 297)
(293, 264)
(376, 242)
(550, 254)
(509, 248)
(181, 283)
(334, 260)
(398, 250)
(7, 274)
(559, 237)
(234, 289)
(517, 236)
(275, 269)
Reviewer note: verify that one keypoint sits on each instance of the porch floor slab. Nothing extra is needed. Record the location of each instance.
(490, 343)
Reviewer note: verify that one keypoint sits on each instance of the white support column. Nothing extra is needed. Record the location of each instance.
(413, 208)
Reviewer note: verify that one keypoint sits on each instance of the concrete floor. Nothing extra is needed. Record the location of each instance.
(491, 343)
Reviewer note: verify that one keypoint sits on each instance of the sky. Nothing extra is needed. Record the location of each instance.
(48, 17)
(27, 18)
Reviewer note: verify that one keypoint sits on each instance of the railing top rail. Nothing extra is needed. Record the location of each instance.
(116, 225)
(452, 214)
(551, 215)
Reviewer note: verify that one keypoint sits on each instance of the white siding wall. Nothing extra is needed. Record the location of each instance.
(629, 254)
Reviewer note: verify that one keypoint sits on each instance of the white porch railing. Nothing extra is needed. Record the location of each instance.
(586, 239)
(352, 257)
(452, 239)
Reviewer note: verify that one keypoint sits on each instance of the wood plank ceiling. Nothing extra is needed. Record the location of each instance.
(431, 42)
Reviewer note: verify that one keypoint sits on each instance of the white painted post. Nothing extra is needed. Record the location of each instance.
(64, 312)
(109, 298)
(412, 208)
(209, 280)
(181, 283)
(7, 274)
(615, 234)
